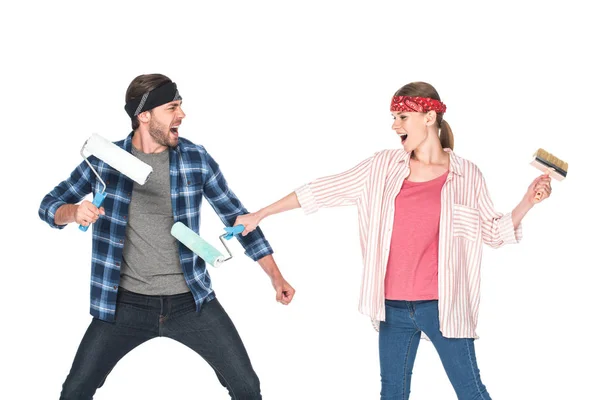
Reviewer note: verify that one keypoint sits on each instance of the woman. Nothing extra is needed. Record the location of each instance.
(424, 214)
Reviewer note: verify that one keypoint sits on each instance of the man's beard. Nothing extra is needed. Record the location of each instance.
(161, 135)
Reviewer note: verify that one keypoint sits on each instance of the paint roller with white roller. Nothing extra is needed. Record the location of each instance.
(118, 158)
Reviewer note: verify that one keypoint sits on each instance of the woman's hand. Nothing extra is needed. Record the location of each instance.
(539, 190)
(250, 222)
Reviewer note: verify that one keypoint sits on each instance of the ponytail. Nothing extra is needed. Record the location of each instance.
(446, 135)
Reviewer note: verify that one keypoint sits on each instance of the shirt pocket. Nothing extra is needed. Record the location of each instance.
(465, 222)
(191, 184)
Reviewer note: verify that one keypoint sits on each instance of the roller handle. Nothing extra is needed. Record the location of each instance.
(98, 199)
(232, 231)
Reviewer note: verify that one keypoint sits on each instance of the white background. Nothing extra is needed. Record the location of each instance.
(281, 93)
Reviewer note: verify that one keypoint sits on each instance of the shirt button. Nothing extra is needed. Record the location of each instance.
(118, 264)
(189, 182)
(115, 287)
(124, 216)
(121, 241)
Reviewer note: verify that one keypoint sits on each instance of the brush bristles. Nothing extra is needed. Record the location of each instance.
(551, 159)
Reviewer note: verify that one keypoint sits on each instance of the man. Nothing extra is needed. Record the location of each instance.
(144, 283)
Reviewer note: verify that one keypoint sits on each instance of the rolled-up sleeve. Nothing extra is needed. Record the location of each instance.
(497, 228)
(228, 207)
(70, 191)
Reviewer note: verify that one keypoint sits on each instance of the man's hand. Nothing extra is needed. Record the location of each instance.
(284, 291)
(87, 213)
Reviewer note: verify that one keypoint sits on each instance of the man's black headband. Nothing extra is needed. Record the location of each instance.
(161, 95)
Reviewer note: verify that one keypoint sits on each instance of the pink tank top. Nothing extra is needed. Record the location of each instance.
(412, 270)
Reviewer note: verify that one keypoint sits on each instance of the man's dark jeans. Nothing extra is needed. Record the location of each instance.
(139, 318)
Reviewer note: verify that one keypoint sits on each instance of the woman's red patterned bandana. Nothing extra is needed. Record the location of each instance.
(416, 104)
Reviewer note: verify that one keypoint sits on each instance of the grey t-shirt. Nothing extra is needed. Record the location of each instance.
(150, 256)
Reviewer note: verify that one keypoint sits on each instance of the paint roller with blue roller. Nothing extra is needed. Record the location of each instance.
(118, 158)
(201, 247)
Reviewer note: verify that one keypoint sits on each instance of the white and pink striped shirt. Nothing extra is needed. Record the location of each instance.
(467, 220)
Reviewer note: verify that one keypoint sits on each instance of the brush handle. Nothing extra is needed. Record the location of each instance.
(98, 199)
(538, 194)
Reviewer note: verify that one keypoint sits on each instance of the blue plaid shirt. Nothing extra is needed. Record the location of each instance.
(194, 174)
